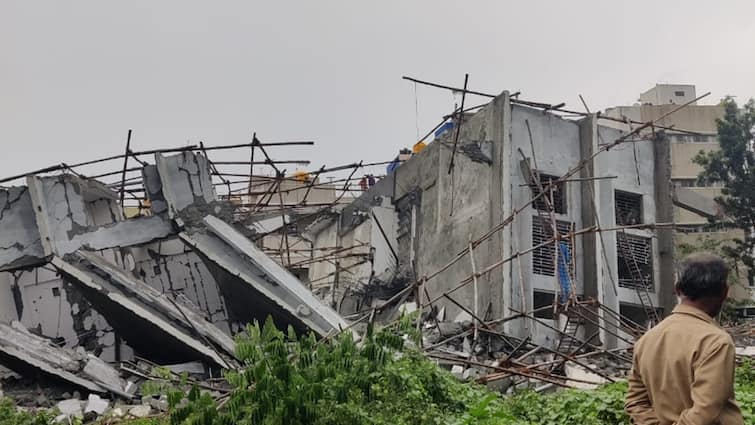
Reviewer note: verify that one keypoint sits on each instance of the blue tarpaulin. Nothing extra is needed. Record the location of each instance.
(564, 279)
(392, 166)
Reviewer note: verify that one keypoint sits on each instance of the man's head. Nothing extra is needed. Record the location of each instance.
(701, 281)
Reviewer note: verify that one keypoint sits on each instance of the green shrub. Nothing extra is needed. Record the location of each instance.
(300, 381)
(10, 415)
(293, 380)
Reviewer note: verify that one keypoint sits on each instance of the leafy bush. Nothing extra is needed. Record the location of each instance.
(298, 381)
(301, 381)
(293, 381)
(10, 415)
(745, 390)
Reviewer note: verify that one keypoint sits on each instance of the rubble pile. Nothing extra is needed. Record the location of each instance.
(83, 326)
(507, 363)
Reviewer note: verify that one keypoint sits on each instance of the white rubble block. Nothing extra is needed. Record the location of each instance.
(117, 412)
(131, 388)
(140, 411)
(746, 351)
(407, 308)
(457, 371)
(578, 372)
(96, 404)
(160, 404)
(70, 407)
(470, 374)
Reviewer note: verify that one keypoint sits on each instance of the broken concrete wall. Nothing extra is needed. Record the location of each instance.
(454, 209)
(366, 234)
(321, 273)
(20, 243)
(8, 307)
(343, 290)
(172, 268)
(154, 325)
(384, 233)
(73, 213)
(50, 307)
(67, 207)
(185, 181)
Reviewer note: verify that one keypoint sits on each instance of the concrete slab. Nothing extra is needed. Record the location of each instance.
(24, 352)
(152, 323)
(250, 274)
(185, 181)
(72, 213)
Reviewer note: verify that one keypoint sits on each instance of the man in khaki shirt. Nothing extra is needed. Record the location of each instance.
(683, 371)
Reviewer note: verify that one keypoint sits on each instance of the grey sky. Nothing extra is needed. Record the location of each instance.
(76, 75)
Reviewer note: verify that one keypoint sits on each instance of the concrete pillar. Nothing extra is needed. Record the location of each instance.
(592, 256)
(664, 213)
(599, 259)
(502, 292)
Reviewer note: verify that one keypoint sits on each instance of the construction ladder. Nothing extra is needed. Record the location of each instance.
(568, 340)
(638, 280)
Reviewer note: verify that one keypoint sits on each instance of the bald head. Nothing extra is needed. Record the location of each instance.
(702, 276)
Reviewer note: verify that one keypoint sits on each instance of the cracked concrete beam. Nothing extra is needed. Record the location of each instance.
(135, 231)
(20, 243)
(150, 322)
(24, 352)
(252, 275)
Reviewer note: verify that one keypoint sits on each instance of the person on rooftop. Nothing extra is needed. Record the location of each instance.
(683, 368)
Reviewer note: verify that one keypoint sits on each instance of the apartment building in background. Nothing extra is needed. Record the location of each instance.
(693, 129)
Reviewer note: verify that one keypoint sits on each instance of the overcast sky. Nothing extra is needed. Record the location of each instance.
(76, 75)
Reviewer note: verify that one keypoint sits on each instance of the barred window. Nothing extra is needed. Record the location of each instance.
(543, 261)
(628, 207)
(635, 261)
(559, 194)
(540, 300)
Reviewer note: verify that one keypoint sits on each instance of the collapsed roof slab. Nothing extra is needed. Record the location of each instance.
(152, 323)
(254, 285)
(26, 353)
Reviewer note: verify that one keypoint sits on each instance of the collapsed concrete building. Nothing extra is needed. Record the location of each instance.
(537, 228)
(473, 192)
(171, 286)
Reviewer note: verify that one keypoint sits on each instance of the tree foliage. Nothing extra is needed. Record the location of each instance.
(733, 166)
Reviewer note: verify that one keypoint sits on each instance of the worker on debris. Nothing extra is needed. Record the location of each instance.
(418, 147)
(683, 368)
(370, 180)
(363, 183)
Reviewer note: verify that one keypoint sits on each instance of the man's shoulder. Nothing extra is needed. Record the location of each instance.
(719, 335)
(692, 329)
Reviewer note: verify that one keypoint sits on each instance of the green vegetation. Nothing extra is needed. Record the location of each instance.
(287, 380)
(290, 380)
(9, 415)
